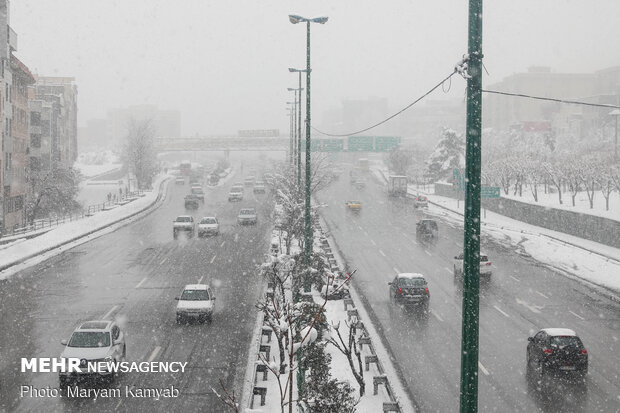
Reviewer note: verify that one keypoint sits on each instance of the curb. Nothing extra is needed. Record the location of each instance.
(159, 198)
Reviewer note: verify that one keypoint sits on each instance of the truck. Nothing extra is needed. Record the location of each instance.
(397, 185)
(363, 164)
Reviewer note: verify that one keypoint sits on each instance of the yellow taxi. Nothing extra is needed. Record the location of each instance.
(354, 205)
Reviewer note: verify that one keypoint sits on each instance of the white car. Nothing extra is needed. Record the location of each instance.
(235, 194)
(247, 216)
(208, 226)
(183, 223)
(180, 180)
(196, 302)
(420, 201)
(486, 266)
(93, 341)
(259, 187)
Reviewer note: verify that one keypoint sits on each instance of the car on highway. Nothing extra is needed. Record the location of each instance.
(235, 194)
(192, 201)
(183, 223)
(410, 290)
(249, 181)
(426, 230)
(208, 226)
(486, 266)
(558, 352)
(360, 183)
(420, 201)
(353, 205)
(93, 341)
(198, 193)
(259, 187)
(179, 180)
(196, 302)
(247, 216)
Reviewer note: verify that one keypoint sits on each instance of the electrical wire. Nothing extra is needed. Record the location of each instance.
(392, 116)
(572, 102)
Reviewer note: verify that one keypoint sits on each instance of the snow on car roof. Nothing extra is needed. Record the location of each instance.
(195, 287)
(559, 331)
(410, 275)
(95, 325)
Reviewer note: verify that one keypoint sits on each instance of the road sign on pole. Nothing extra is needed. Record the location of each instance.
(489, 192)
(332, 145)
(386, 143)
(360, 143)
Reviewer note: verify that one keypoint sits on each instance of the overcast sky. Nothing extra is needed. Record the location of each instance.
(224, 63)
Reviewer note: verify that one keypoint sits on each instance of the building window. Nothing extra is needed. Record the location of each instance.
(35, 141)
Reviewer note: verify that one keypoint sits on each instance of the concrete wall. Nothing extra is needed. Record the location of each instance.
(603, 230)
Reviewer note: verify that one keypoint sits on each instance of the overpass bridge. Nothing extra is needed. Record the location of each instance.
(280, 143)
(221, 143)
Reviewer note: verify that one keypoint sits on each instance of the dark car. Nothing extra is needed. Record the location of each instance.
(426, 230)
(410, 290)
(557, 351)
(192, 202)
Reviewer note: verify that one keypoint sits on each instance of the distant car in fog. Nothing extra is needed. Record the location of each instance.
(198, 193)
(191, 201)
(183, 223)
(259, 187)
(247, 216)
(235, 194)
(179, 180)
(249, 181)
(208, 226)
(420, 201)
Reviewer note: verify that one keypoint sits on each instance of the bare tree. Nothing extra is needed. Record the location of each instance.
(351, 351)
(590, 175)
(139, 153)
(555, 177)
(53, 191)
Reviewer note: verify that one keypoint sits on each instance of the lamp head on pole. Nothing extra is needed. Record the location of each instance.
(320, 20)
(295, 19)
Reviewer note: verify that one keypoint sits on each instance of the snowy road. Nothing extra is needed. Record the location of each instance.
(521, 297)
(133, 275)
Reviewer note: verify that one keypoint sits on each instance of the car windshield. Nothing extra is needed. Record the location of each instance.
(564, 341)
(247, 212)
(90, 339)
(184, 219)
(411, 282)
(195, 295)
(208, 221)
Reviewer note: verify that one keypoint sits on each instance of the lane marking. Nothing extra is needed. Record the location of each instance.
(109, 313)
(118, 404)
(141, 282)
(382, 253)
(360, 227)
(213, 259)
(500, 310)
(428, 253)
(448, 269)
(163, 261)
(542, 295)
(516, 279)
(200, 279)
(396, 269)
(576, 315)
(532, 308)
(222, 244)
(437, 316)
(154, 354)
(482, 369)
(373, 243)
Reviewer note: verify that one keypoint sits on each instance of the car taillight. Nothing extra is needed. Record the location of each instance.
(547, 351)
(488, 263)
(584, 351)
(400, 291)
(426, 290)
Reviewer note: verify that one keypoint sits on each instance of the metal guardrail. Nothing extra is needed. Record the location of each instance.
(40, 225)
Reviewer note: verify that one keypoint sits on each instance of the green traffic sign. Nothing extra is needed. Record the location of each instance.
(332, 145)
(360, 143)
(386, 143)
(489, 192)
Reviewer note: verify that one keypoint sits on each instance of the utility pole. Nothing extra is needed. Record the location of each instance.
(299, 136)
(471, 262)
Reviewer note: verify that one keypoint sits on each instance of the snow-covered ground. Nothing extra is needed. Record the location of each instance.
(91, 164)
(21, 254)
(586, 260)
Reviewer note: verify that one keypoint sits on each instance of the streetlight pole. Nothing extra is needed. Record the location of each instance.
(291, 130)
(294, 130)
(300, 71)
(308, 224)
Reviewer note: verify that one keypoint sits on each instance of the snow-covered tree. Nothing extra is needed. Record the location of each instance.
(139, 153)
(449, 154)
(52, 191)
(400, 160)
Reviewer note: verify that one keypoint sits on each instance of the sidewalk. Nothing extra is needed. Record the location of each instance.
(24, 253)
(587, 261)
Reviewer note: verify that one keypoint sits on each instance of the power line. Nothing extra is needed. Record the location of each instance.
(572, 102)
(394, 115)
